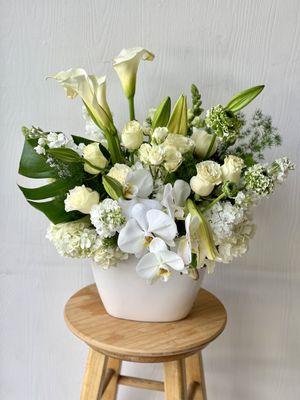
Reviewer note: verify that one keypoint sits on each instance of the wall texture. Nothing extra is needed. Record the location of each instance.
(222, 45)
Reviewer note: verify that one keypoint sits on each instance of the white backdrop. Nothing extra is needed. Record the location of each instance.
(223, 46)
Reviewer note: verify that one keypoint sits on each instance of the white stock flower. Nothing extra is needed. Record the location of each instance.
(159, 262)
(182, 143)
(144, 225)
(81, 199)
(209, 174)
(202, 140)
(174, 198)
(232, 168)
(126, 65)
(159, 134)
(173, 158)
(107, 218)
(132, 135)
(92, 153)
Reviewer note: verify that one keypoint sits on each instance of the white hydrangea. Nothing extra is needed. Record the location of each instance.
(232, 228)
(107, 218)
(80, 240)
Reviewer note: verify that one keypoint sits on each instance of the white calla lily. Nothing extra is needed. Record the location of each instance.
(159, 262)
(174, 198)
(144, 225)
(126, 65)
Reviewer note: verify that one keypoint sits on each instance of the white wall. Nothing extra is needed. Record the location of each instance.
(224, 46)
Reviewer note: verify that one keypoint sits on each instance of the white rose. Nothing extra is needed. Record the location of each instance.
(81, 199)
(182, 143)
(202, 141)
(92, 153)
(232, 168)
(173, 158)
(209, 174)
(132, 135)
(119, 172)
(160, 134)
(156, 155)
(144, 151)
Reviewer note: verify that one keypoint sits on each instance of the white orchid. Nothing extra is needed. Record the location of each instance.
(126, 65)
(187, 244)
(174, 198)
(143, 227)
(159, 262)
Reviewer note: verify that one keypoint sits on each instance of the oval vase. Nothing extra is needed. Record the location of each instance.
(126, 295)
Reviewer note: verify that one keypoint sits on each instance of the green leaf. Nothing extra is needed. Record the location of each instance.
(242, 99)
(112, 187)
(57, 188)
(162, 114)
(207, 246)
(55, 211)
(178, 120)
(65, 155)
(33, 165)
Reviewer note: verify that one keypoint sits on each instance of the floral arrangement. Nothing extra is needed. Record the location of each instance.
(177, 190)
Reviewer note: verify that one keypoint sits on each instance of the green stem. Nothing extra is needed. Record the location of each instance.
(131, 108)
(214, 202)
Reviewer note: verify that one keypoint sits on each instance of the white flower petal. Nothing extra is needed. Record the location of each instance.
(131, 238)
(157, 245)
(184, 250)
(139, 214)
(147, 266)
(168, 200)
(181, 192)
(161, 225)
(142, 179)
(150, 204)
(171, 259)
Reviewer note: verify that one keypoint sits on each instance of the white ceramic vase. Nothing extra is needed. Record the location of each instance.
(126, 295)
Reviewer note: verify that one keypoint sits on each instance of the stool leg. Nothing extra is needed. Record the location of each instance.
(112, 372)
(175, 380)
(94, 376)
(195, 377)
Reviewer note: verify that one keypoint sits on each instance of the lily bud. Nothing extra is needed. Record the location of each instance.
(178, 120)
(126, 65)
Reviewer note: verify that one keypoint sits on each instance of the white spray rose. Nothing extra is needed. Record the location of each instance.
(132, 135)
(182, 143)
(232, 168)
(156, 155)
(202, 141)
(144, 151)
(160, 134)
(119, 172)
(92, 153)
(173, 158)
(81, 199)
(209, 174)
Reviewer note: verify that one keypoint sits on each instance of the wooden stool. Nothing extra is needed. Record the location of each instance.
(177, 345)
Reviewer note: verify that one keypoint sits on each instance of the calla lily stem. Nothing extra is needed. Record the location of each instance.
(131, 108)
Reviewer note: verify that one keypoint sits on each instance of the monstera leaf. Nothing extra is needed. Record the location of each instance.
(49, 198)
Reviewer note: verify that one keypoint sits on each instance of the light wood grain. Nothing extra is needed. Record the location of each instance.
(175, 380)
(113, 369)
(94, 376)
(148, 384)
(195, 377)
(131, 340)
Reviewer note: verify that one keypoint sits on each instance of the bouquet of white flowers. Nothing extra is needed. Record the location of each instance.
(175, 190)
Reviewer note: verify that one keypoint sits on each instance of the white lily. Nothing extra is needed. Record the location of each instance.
(91, 89)
(126, 65)
(159, 262)
(143, 227)
(174, 198)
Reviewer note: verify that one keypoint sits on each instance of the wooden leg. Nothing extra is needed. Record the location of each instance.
(94, 376)
(195, 377)
(112, 374)
(175, 380)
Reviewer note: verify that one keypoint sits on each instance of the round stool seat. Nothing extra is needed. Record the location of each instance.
(86, 317)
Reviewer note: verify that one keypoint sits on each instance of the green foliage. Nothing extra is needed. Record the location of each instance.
(196, 109)
(187, 169)
(242, 99)
(112, 187)
(178, 120)
(65, 155)
(162, 114)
